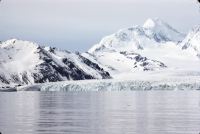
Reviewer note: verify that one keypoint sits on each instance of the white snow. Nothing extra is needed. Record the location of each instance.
(192, 41)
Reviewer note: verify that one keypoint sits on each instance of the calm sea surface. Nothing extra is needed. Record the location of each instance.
(140, 112)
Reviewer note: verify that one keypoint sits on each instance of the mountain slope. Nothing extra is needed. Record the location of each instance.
(24, 62)
(129, 62)
(192, 41)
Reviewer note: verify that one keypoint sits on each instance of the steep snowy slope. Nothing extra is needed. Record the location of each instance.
(24, 62)
(192, 41)
(117, 62)
(155, 46)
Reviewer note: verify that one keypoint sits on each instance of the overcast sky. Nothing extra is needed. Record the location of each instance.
(78, 24)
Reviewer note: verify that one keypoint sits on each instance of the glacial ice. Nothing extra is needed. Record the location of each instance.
(114, 85)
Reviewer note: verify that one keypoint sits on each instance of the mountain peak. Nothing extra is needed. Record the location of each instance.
(153, 32)
(18, 44)
(160, 29)
(150, 23)
(156, 22)
(11, 41)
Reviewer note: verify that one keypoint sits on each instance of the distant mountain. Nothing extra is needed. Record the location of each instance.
(152, 33)
(152, 47)
(24, 62)
(121, 51)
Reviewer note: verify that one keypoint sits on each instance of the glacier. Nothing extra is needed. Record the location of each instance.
(171, 83)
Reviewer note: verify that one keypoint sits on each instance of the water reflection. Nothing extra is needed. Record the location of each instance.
(154, 112)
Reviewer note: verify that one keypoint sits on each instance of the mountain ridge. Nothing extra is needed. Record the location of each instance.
(154, 48)
(24, 62)
(138, 37)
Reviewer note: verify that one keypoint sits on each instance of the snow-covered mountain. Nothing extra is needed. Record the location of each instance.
(24, 62)
(153, 33)
(155, 46)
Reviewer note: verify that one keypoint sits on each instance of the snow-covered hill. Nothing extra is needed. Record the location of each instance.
(155, 46)
(24, 62)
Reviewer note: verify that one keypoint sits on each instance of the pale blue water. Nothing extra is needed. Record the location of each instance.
(145, 112)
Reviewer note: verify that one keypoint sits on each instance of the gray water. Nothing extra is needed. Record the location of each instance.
(145, 112)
